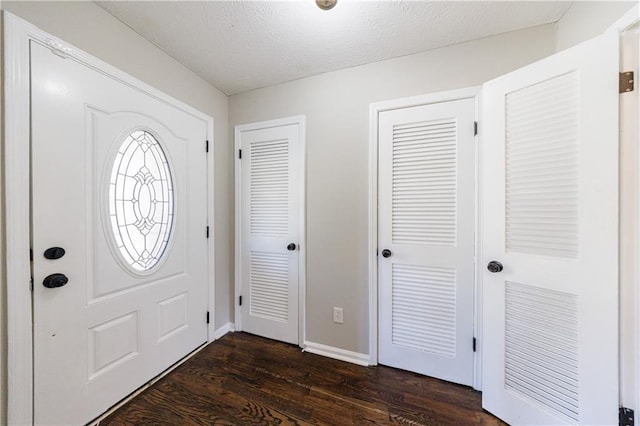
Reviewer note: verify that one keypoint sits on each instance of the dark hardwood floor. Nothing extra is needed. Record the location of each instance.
(245, 379)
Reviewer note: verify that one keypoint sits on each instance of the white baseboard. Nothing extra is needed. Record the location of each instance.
(227, 328)
(336, 353)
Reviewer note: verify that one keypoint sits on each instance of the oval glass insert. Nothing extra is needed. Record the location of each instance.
(141, 200)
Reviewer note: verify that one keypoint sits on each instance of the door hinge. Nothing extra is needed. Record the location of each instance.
(240, 154)
(626, 417)
(474, 344)
(475, 128)
(31, 284)
(31, 255)
(207, 317)
(206, 146)
(626, 82)
(376, 252)
(240, 301)
(207, 232)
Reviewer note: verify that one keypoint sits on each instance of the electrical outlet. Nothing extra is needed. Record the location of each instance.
(338, 315)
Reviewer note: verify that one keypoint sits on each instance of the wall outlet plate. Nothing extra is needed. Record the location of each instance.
(338, 315)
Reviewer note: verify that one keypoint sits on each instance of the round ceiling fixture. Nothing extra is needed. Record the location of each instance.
(326, 4)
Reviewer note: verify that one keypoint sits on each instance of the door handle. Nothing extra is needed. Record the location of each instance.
(386, 253)
(55, 281)
(494, 266)
(291, 247)
(54, 253)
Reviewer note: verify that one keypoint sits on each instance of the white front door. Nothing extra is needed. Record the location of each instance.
(426, 239)
(550, 211)
(119, 184)
(270, 206)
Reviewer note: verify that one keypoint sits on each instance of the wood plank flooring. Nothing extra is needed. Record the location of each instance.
(245, 379)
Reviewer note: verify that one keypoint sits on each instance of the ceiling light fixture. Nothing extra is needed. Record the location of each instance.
(326, 4)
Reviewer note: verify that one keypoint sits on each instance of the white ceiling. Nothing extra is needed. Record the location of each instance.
(242, 45)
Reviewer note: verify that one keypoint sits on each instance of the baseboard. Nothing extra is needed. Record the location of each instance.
(227, 328)
(336, 353)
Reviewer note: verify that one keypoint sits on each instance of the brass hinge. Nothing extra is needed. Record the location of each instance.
(626, 82)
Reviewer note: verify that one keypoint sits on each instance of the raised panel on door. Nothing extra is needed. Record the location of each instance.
(270, 208)
(119, 183)
(426, 222)
(550, 197)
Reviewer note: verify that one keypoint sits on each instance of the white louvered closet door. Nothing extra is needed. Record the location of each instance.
(270, 208)
(550, 210)
(426, 221)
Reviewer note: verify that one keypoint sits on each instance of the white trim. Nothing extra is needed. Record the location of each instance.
(227, 328)
(211, 328)
(18, 34)
(336, 353)
(17, 205)
(237, 231)
(479, 270)
(374, 111)
(300, 121)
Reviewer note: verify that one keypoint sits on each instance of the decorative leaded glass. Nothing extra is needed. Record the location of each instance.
(141, 200)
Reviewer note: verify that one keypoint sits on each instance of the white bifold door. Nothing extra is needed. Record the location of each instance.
(119, 215)
(549, 139)
(270, 206)
(426, 239)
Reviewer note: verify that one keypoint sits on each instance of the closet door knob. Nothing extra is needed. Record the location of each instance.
(291, 247)
(386, 253)
(494, 266)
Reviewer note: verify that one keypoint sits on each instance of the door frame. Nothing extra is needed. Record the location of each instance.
(18, 34)
(300, 121)
(629, 285)
(374, 113)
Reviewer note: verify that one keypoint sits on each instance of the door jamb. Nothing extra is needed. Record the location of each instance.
(300, 121)
(18, 35)
(629, 185)
(374, 111)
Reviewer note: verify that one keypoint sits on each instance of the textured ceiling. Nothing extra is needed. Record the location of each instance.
(243, 45)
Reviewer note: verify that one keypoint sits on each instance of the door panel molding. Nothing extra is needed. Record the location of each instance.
(18, 36)
(375, 110)
(300, 121)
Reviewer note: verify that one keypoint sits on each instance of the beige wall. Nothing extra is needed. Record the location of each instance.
(336, 105)
(90, 28)
(587, 19)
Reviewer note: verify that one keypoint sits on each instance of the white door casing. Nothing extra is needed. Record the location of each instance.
(270, 224)
(111, 328)
(426, 219)
(550, 216)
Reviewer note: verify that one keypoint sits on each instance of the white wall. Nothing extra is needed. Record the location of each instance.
(336, 105)
(87, 26)
(587, 19)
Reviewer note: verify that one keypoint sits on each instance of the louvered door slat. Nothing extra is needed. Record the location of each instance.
(433, 144)
(269, 164)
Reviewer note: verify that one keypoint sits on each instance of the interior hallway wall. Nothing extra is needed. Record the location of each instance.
(90, 28)
(336, 105)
